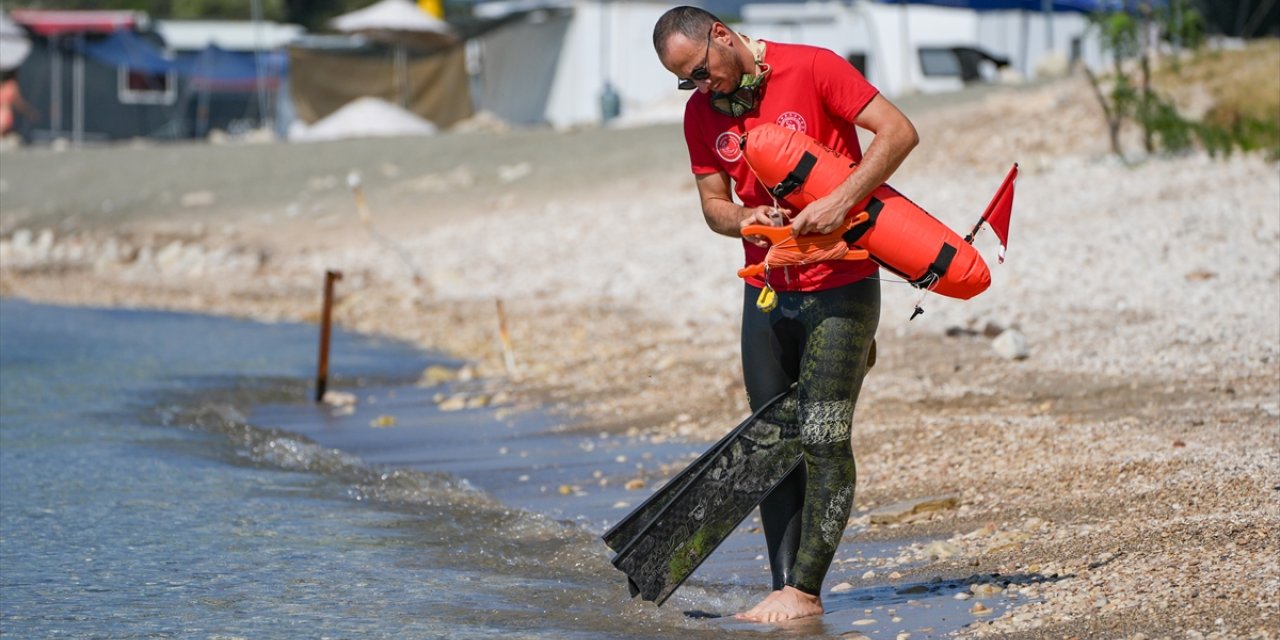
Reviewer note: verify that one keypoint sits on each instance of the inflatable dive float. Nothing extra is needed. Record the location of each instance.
(896, 232)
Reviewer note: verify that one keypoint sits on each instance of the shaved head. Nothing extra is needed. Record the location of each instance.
(691, 22)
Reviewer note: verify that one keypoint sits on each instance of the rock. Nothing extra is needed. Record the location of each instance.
(963, 595)
(43, 246)
(22, 240)
(985, 589)
(842, 587)
(1011, 345)
(913, 589)
(513, 172)
(339, 398)
(902, 511)
(869, 575)
(634, 485)
(621, 504)
(864, 622)
(197, 199)
(168, 257)
(455, 402)
(436, 374)
(1052, 65)
(980, 609)
(941, 550)
(383, 422)
(902, 636)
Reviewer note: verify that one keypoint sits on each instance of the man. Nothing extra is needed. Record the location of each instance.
(819, 335)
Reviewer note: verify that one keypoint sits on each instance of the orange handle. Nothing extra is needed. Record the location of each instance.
(778, 234)
(774, 234)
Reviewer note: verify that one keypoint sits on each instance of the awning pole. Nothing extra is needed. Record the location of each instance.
(55, 87)
(264, 118)
(77, 94)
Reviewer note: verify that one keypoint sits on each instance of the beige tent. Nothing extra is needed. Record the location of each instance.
(416, 62)
(401, 25)
(322, 80)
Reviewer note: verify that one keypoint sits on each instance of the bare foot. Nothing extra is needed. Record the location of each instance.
(750, 613)
(788, 604)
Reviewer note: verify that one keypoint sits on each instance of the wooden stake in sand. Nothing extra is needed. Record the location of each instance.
(326, 316)
(366, 218)
(504, 337)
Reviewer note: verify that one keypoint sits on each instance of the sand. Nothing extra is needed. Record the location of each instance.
(1125, 471)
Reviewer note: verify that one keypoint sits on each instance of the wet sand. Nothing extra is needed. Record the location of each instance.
(1128, 464)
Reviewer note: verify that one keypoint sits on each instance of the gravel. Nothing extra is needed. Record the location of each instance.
(1120, 474)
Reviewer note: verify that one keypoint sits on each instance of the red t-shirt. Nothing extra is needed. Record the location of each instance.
(808, 89)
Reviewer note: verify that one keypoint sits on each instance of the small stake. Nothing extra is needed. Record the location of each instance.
(366, 218)
(326, 316)
(504, 336)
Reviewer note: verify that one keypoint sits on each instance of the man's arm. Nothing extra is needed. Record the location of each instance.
(895, 137)
(723, 215)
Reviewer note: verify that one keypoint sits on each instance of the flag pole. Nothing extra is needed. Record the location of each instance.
(1004, 186)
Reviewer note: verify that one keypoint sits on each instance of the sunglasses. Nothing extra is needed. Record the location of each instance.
(701, 73)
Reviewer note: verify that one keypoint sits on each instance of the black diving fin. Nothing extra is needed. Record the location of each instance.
(667, 537)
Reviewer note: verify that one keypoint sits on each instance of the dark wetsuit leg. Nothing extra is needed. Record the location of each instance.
(820, 340)
(771, 349)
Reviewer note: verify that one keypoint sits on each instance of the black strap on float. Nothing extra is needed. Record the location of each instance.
(938, 268)
(856, 231)
(797, 176)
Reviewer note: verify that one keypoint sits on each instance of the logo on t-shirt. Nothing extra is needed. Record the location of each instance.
(793, 121)
(729, 146)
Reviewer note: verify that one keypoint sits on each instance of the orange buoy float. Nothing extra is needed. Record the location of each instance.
(896, 232)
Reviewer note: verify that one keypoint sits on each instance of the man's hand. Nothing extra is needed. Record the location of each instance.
(768, 216)
(823, 215)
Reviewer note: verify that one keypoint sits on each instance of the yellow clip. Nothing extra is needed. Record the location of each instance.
(768, 299)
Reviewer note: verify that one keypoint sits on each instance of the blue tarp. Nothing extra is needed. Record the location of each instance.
(213, 67)
(217, 68)
(126, 49)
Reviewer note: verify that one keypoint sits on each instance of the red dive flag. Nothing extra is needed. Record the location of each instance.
(998, 211)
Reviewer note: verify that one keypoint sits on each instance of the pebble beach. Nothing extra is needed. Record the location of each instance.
(1104, 421)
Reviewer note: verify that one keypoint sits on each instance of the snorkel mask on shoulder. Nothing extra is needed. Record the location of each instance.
(744, 99)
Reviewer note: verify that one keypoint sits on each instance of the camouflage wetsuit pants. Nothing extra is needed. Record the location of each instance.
(818, 341)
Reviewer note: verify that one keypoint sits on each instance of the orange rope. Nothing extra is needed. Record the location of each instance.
(795, 251)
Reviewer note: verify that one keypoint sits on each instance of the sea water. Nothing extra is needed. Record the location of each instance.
(135, 502)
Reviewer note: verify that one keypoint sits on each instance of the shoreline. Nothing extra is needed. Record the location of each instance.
(1135, 449)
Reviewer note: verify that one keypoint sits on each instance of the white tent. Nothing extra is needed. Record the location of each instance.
(401, 24)
(14, 45)
(558, 60)
(395, 21)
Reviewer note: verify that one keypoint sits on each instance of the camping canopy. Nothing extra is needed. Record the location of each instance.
(126, 49)
(213, 68)
(217, 69)
(396, 22)
(55, 23)
(403, 26)
(14, 45)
